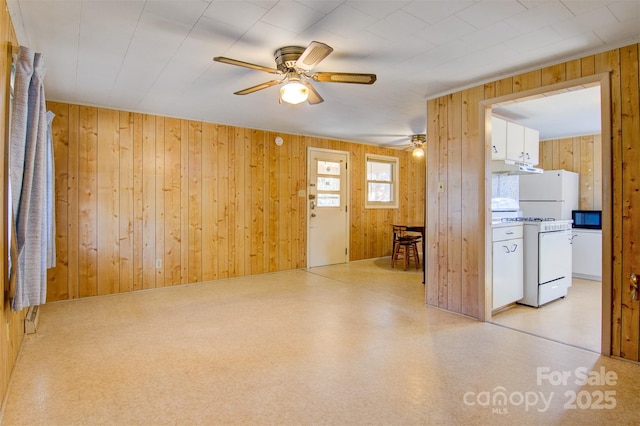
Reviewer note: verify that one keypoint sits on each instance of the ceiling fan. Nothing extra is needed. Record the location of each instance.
(293, 64)
(417, 143)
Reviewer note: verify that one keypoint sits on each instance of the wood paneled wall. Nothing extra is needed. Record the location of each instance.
(146, 201)
(580, 154)
(457, 177)
(11, 323)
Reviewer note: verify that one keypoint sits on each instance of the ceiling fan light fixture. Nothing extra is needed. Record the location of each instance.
(294, 92)
(418, 152)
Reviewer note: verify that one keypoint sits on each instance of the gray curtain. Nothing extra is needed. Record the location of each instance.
(30, 159)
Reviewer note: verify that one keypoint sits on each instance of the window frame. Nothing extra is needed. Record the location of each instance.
(395, 175)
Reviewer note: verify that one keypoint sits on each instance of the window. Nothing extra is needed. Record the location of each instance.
(382, 182)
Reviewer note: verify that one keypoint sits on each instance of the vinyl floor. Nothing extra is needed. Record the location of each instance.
(350, 344)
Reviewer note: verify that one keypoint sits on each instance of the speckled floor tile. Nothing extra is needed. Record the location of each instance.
(348, 344)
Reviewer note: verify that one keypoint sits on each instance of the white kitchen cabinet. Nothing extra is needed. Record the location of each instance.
(587, 254)
(531, 146)
(515, 142)
(512, 141)
(507, 265)
(498, 139)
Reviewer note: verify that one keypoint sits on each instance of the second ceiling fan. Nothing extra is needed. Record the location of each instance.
(293, 64)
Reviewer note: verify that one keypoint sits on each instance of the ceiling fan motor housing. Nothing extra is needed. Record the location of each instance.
(286, 57)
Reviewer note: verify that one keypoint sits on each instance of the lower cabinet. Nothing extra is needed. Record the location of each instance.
(587, 254)
(507, 265)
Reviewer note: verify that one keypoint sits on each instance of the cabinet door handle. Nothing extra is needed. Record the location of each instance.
(515, 247)
(495, 150)
(506, 249)
(634, 286)
(509, 232)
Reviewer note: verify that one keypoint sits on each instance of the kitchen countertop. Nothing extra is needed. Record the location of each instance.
(500, 224)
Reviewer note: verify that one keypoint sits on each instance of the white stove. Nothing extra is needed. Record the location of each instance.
(547, 259)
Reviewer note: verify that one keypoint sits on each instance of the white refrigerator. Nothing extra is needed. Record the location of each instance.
(551, 194)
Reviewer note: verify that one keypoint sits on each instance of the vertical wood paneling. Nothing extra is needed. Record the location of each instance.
(609, 62)
(108, 211)
(126, 202)
(58, 277)
(73, 242)
(236, 216)
(184, 202)
(454, 202)
(586, 172)
(526, 81)
(471, 206)
(432, 236)
(148, 201)
(87, 202)
(160, 207)
(195, 202)
(210, 200)
(222, 202)
(358, 194)
(630, 199)
(580, 154)
(272, 204)
(138, 202)
(443, 201)
(257, 202)
(286, 195)
(553, 74)
(172, 201)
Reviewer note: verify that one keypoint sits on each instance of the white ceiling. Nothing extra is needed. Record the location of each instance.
(155, 56)
(560, 115)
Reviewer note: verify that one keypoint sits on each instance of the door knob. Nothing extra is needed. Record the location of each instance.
(634, 286)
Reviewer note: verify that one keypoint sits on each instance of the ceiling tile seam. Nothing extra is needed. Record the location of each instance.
(144, 95)
(77, 76)
(115, 82)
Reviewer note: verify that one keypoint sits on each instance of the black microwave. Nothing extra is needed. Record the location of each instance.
(587, 219)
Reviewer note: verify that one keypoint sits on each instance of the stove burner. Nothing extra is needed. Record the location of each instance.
(528, 219)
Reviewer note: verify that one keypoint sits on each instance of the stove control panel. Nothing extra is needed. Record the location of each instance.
(556, 225)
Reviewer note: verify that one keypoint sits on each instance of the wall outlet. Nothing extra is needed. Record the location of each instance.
(301, 193)
(158, 263)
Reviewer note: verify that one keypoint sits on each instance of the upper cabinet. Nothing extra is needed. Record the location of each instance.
(531, 146)
(511, 141)
(498, 139)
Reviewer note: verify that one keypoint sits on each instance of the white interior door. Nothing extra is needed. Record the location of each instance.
(327, 216)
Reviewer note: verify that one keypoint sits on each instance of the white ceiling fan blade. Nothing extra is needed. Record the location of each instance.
(313, 55)
(314, 96)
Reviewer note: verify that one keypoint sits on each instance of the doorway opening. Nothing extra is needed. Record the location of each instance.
(582, 316)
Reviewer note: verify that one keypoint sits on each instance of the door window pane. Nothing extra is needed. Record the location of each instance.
(328, 200)
(328, 168)
(328, 184)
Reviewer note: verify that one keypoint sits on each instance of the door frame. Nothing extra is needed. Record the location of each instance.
(485, 291)
(310, 151)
